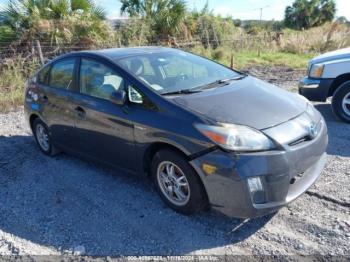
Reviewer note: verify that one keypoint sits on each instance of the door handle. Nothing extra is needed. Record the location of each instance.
(80, 112)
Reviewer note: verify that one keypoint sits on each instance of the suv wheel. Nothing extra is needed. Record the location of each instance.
(43, 139)
(177, 183)
(341, 102)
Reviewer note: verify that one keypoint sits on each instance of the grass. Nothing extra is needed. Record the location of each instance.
(13, 75)
(248, 58)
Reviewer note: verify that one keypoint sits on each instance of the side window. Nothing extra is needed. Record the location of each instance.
(43, 75)
(61, 74)
(98, 80)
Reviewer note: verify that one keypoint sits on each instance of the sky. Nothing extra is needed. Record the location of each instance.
(238, 9)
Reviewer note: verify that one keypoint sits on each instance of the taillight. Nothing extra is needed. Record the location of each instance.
(29, 90)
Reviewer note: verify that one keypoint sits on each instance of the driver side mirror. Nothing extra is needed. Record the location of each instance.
(118, 97)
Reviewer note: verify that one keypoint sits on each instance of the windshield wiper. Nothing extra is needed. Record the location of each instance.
(219, 82)
(233, 78)
(181, 92)
(206, 86)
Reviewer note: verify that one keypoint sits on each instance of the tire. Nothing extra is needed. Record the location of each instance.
(195, 197)
(340, 97)
(40, 130)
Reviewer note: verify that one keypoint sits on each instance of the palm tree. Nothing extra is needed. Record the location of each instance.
(33, 19)
(309, 13)
(164, 16)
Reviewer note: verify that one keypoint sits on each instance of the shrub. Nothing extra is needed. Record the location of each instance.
(14, 73)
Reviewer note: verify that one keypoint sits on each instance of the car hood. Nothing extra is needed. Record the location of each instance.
(337, 54)
(249, 102)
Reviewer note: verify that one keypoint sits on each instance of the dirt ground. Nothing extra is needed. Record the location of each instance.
(64, 205)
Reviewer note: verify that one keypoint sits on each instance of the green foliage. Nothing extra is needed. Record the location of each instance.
(304, 14)
(14, 73)
(218, 55)
(163, 16)
(133, 33)
(51, 20)
(211, 30)
(255, 27)
(7, 35)
(330, 36)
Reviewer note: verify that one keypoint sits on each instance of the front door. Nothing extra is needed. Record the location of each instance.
(103, 129)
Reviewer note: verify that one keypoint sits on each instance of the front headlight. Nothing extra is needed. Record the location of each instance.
(316, 70)
(236, 137)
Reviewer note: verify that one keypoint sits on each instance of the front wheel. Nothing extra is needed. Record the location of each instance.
(177, 183)
(341, 102)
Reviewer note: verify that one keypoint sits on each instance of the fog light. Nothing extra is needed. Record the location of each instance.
(256, 190)
(255, 184)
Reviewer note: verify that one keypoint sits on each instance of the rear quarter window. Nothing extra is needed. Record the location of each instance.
(43, 75)
(62, 73)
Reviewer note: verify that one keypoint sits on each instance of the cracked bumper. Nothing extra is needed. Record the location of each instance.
(285, 175)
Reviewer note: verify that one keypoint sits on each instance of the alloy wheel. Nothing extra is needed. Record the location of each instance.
(346, 104)
(42, 137)
(173, 183)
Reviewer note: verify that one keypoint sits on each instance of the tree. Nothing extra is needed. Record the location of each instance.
(164, 16)
(304, 14)
(38, 19)
(342, 20)
(212, 30)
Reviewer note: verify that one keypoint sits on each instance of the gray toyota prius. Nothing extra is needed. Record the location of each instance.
(207, 136)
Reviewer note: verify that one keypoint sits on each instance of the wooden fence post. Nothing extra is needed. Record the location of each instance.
(232, 48)
(38, 46)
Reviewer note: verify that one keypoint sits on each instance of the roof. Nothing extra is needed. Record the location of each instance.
(118, 53)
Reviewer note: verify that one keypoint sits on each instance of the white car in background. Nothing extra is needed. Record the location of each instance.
(329, 76)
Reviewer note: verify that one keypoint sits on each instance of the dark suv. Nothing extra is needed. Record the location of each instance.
(205, 134)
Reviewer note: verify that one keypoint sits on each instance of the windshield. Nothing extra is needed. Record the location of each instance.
(176, 70)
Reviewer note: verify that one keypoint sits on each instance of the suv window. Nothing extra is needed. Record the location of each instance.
(61, 74)
(43, 75)
(98, 80)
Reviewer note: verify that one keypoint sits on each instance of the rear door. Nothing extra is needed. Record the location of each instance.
(58, 111)
(103, 129)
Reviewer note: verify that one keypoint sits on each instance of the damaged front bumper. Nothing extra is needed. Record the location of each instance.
(248, 185)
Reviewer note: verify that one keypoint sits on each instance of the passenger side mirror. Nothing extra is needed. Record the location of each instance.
(134, 96)
(118, 97)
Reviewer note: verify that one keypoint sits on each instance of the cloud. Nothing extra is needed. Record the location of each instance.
(343, 8)
(115, 14)
(2, 6)
(242, 9)
(272, 9)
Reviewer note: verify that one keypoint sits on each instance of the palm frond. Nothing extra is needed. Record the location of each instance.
(99, 12)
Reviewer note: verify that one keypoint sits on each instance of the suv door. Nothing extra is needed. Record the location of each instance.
(103, 129)
(55, 99)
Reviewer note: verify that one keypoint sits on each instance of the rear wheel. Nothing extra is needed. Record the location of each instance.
(177, 183)
(43, 139)
(341, 102)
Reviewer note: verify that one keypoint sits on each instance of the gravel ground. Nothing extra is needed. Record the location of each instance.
(64, 205)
